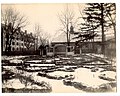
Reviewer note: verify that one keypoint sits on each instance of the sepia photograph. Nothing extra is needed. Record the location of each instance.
(58, 48)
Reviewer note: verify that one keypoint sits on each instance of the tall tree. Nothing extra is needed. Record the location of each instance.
(12, 21)
(110, 9)
(66, 17)
(42, 37)
(97, 18)
(87, 30)
(94, 15)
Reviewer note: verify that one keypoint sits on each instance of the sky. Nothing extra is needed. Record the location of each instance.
(44, 14)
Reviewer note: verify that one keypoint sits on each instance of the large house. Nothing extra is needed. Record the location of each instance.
(19, 41)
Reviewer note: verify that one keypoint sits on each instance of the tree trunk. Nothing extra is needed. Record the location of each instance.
(9, 46)
(102, 25)
(114, 27)
(68, 41)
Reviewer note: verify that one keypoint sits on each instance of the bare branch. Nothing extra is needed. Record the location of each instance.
(10, 15)
(66, 18)
(43, 37)
(12, 20)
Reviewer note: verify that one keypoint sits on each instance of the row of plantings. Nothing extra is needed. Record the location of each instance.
(22, 83)
(107, 87)
(37, 60)
(57, 77)
(46, 68)
(104, 77)
(69, 80)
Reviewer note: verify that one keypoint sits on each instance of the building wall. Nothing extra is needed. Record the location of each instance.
(60, 49)
(84, 47)
(110, 48)
(92, 47)
(18, 41)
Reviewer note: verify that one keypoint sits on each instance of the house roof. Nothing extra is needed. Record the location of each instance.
(63, 38)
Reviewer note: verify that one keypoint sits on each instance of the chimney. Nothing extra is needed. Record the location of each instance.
(25, 31)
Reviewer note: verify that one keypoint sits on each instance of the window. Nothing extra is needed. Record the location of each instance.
(13, 43)
(17, 38)
(22, 44)
(17, 33)
(17, 48)
(17, 43)
(51, 49)
(22, 49)
(13, 49)
(13, 37)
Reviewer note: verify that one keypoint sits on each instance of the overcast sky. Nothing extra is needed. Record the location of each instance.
(44, 14)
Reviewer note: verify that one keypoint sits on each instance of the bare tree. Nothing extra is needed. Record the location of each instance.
(66, 18)
(42, 37)
(12, 21)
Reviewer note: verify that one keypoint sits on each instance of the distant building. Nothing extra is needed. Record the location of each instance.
(85, 47)
(89, 46)
(21, 41)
